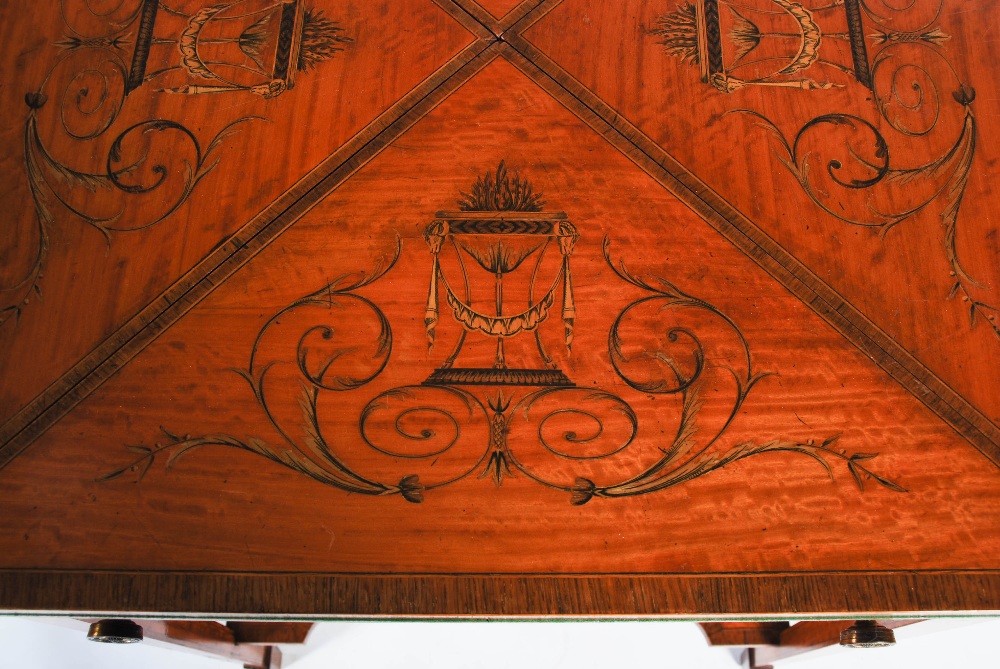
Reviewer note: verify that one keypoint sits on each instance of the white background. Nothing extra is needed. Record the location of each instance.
(30, 643)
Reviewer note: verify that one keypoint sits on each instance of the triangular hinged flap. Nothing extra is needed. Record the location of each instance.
(849, 133)
(500, 347)
(144, 139)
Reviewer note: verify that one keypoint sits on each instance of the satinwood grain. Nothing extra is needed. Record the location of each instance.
(900, 276)
(111, 278)
(777, 511)
(535, 321)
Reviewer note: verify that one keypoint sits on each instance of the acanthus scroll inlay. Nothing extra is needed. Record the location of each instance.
(496, 405)
(148, 48)
(895, 55)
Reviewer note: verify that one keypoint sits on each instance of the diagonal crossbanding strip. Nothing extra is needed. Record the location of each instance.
(496, 37)
(116, 351)
(909, 372)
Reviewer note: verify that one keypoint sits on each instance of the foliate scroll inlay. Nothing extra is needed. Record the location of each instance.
(496, 404)
(147, 49)
(893, 54)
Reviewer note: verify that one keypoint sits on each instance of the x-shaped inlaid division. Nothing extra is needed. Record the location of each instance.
(504, 38)
(507, 36)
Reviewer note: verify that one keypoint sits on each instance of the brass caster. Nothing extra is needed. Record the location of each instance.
(115, 631)
(867, 634)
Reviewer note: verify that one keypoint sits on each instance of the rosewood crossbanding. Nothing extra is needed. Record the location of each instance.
(555, 322)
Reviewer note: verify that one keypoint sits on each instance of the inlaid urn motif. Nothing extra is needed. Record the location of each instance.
(500, 243)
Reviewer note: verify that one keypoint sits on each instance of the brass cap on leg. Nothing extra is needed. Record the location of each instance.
(867, 634)
(115, 631)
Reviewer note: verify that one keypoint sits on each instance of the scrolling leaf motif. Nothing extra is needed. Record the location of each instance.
(684, 459)
(948, 174)
(414, 418)
(897, 60)
(151, 167)
(61, 192)
(52, 183)
(907, 99)
(313, 455)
